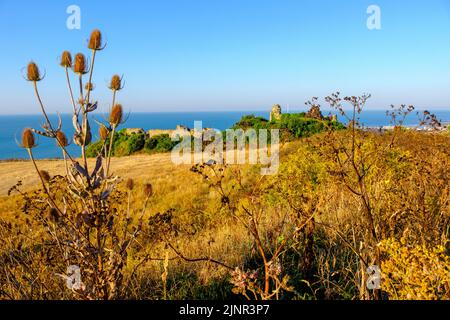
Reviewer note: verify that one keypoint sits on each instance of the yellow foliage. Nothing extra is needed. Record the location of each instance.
(415, 272)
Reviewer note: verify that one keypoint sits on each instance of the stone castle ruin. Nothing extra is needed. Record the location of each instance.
(275, 114)
(313, 113)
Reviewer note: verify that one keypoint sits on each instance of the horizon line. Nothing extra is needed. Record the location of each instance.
(291, 110)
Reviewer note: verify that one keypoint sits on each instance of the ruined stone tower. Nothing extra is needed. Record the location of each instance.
(275, 114)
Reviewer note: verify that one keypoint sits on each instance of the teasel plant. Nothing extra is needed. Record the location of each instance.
(81, 211)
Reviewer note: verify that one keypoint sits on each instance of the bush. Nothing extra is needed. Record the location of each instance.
(251, 121)
(294, 125)
(416, 272)
(94, 149)
(128, 145)
(159, 143)
(124, 145)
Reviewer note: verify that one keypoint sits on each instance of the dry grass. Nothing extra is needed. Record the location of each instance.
(206, 230)
(146, 167)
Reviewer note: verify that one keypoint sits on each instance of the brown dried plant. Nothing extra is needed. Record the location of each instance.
(80, 212)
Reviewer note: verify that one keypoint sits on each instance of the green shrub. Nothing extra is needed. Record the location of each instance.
(159, 143)
(293, 125)
(94, 149)
(127, 145)
(124, 145)
(251, 121)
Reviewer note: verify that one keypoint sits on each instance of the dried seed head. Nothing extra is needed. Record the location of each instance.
(28, 139)
(61, 139)
(89, 86)
(116, 83)
(66, 59)
(45, 175)
(95, 42)
(148, 190)
(80, 64)
(103, 132)
(130, 184)
(115, 118)
(33, 73)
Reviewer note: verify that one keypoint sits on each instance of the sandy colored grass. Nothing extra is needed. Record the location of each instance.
(152, 167)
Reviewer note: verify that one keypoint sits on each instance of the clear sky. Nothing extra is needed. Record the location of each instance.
(192, 55)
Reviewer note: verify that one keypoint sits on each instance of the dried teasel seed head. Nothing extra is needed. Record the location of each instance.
(45, 175)
(33, 73)
(61, 139)
(80, 64)
(95, 41)
(66, 59)
(28, 141)
(89, 86)
(130, 184)
(103, 132)
(116, 83)
(115, 118)
(148, 190)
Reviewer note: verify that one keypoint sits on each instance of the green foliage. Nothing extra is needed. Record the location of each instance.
(294, 125)
(129, 145)
(159, 143)
(251, 121)
(94, 149)
(124, 145)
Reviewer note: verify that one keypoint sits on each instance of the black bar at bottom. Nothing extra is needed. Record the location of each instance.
(218, 309)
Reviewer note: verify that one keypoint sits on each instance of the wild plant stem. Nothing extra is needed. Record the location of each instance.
(65, 163)
(108, 160)
(42, 107)
(90, 75)
(72, 100)
(30, 153)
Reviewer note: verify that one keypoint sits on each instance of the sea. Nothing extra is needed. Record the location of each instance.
(11, 127)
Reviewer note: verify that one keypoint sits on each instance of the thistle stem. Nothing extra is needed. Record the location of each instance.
(30, 153)
(72, 100)
(42, 107)
(108, 160)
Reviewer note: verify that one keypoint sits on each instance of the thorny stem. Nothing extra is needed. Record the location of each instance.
(42, 107)
(180, 255)
(70, 91)
(65, 163)
(47, 119)
(30, 153)
(85, 113)
(52, 202)
(111, 138)
(84, 128)
(90, 75)
(80, 83)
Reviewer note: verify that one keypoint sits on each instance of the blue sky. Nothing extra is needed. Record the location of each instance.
(180, 55)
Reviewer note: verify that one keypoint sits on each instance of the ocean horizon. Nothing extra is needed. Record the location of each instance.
(11, 126)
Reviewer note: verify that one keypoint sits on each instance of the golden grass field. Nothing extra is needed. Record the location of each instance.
(155, 167)
(408, 186)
